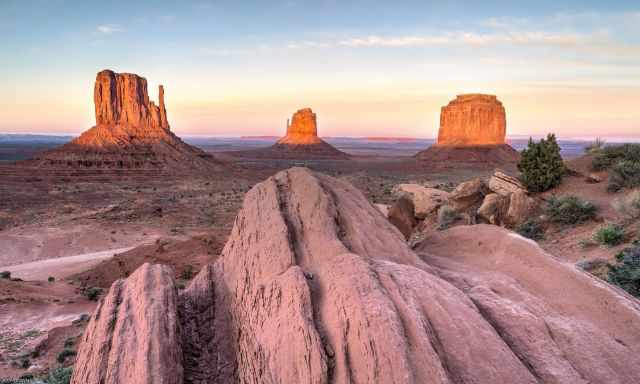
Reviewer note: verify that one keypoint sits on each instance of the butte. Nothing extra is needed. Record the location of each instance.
(301, 141)
(472, 130)
(131, 133)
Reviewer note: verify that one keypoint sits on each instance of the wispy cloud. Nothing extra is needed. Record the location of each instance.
(109, 29)
(453, 38)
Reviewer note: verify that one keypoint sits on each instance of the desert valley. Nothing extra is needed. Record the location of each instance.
(307, 253)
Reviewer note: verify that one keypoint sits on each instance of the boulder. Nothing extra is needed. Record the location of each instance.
(425, 200)
(521, 206)
(402, 215)
(593, 178)
(468, 196)
(315, 286)
(504, 185)
(493, 209)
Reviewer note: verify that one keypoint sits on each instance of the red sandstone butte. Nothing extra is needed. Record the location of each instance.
(473, 119)
(301, 141)
(472, 130)
(303, 129)
(131, 132)
(315, 285)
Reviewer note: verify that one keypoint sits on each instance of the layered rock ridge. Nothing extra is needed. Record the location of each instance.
(472, 129)
(315, 286)
(131, 132)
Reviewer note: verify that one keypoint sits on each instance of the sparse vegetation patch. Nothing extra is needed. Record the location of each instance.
(609, 235)
(446, 217)
(531, 229)
(626, 272)
(570, 210)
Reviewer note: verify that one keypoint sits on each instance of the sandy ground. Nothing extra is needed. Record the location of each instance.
(61, 267)
(30, 312)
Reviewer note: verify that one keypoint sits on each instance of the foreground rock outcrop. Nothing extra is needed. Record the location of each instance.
(131, 132)
(472, 130)
(301, 141)
(315, 286)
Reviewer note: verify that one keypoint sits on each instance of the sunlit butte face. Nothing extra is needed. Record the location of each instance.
(366, 69)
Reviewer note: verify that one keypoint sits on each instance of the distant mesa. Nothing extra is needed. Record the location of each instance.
(131, 132)
(301, 141)
(472, 130)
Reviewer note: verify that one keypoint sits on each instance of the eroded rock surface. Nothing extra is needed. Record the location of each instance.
(315, 286)
(131, 132)
(133, 336)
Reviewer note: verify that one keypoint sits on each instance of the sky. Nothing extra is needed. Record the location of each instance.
(367, 68)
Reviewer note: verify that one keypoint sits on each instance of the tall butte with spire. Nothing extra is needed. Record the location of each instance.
(473, 129)
(131, 132)
(301, 141)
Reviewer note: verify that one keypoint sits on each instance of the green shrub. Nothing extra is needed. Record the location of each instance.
(62, 356)
(25, 363)
(187, 272)
(5, 275)
(570, 210)
(626, 273)
(609, 234)
(611, 155)
(446, 216)
(624, 174)
(541, 165)
(59, 375)
(69, 342)
(92, 293)
(531, 229)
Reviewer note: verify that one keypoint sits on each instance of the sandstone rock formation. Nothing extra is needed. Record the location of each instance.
(472, 120)
(472, 130)
(493, 209)
(504, 185)
(316, 286)
(131, 132)
(134, 334)
(468, 195)
(425, 200)
(303, 129)
(301, 141)
(402, 215)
